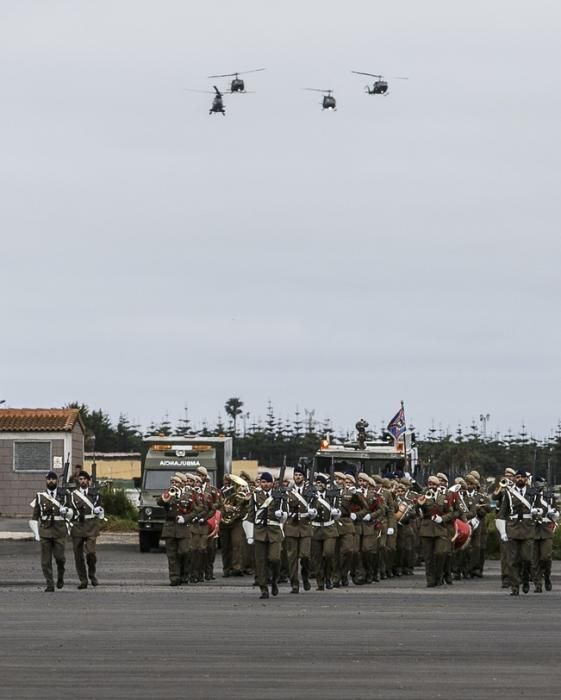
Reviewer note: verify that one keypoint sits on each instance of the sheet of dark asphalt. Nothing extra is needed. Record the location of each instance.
(135, 637)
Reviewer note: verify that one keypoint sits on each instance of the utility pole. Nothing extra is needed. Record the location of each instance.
(483, 419)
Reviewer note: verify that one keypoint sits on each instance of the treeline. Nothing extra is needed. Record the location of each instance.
(273, 439)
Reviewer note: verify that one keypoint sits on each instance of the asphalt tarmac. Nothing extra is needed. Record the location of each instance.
(135, 637)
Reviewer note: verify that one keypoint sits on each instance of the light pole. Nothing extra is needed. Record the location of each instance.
(484, 418)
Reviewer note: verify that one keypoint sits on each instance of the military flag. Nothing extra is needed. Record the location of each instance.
(396, 427)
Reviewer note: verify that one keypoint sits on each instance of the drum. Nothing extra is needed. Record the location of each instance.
(214, 524)
(462, 535)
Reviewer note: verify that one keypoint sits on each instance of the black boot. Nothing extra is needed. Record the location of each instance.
(305, 569)
(60, 576)
(547, 575)
(264, 592)
(91, 560)
(275, 571)
(195, 559)
(526, 577)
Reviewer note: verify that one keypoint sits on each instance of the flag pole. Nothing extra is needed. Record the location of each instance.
(404, 440)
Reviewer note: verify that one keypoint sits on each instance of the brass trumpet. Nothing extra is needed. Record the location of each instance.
(429, 495)
(175, 492)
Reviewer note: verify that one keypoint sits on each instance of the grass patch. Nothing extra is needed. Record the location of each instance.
(117, 524)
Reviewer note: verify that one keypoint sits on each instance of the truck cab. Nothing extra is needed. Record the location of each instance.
(163, 456)
(371, 457)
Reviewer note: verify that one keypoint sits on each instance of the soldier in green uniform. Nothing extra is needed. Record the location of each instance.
(516, 527)
(298, 532)
(406, 516)
(212, 499)
(181, 508)
(324, 514)
(480, 506)
(370, 522)
(388, 537)
(461, 558)
(437, 512)
(545, 515)
(234, 504)
(52, 512)
(267, 513)
(350, 502)
(498, 495)
(88, 512)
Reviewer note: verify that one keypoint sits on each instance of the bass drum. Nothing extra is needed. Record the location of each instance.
(462, 535)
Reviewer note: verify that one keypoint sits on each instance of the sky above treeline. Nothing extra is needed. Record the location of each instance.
(402, 247)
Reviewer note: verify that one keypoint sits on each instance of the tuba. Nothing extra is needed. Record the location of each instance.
(235, 497)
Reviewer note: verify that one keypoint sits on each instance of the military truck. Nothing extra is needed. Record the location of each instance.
(371, 457)
(163, 456)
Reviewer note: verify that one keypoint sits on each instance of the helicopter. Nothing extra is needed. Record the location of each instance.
(237, 84)
(217, 103)
(328, 102)
(380, 86)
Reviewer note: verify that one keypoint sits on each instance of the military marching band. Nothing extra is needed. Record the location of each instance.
(331, 528)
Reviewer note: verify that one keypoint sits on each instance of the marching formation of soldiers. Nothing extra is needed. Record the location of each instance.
(345, 528)
(336, 529)
(59, 512)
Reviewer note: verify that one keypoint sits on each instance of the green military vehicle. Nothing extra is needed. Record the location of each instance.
(371, 457)
(163, 457)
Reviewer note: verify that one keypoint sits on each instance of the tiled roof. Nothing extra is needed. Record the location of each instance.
(22, 420)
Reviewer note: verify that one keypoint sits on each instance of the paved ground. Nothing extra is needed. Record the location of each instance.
(135, 637)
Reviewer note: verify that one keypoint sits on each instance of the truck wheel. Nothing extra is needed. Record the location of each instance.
(145, 541)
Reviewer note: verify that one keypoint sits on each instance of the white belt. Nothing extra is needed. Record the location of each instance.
(48, 517)
(329, 522)
(89, 517)
(273, 522)
(525, 516)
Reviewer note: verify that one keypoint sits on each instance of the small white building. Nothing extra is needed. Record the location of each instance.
(32, 442)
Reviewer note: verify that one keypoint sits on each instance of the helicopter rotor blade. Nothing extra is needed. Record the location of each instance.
(206, 92)
(372, 75)
(235, 75)
(318, 90)
(399, 77)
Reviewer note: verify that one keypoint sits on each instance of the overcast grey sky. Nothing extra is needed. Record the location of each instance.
(400, 248)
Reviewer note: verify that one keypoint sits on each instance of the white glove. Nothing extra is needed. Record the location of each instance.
(353, 516)
(63, 511)
(335, 513)
(180, 520)
(250, 540)
(312, 512)
(474, 522)
(390, 531)
(537, 511)
(367, 518)
(437, 519)
(278, 514)
(353, 489)
(504, 537)
(97, 510)
(553, 514)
